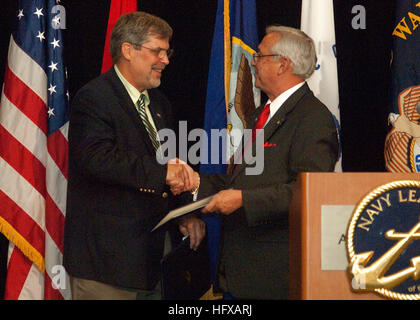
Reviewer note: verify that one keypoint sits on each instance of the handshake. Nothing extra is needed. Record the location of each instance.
(180, 177)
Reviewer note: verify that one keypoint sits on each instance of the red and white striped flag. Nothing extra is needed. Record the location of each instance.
(33, 154)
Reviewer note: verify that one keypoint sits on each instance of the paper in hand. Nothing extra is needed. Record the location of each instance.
(183, 210)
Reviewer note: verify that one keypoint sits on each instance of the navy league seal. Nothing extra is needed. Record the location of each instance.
(383, 241)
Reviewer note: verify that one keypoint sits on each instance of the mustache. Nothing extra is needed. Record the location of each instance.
(159, 67)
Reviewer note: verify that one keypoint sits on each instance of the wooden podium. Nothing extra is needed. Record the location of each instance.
(313, 190)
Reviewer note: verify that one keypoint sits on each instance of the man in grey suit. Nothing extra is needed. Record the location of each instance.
(299, 135)
(118, 190)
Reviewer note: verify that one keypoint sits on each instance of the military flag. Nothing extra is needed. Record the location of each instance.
(231, 96)
(402, 144)
(117, 8)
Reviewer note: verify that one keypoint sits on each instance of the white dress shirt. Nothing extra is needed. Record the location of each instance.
(276, 104)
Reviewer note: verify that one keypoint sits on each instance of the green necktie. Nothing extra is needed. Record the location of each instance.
(141, 108)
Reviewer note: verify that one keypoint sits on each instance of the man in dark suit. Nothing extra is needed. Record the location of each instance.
(299, 135)
(118, 189)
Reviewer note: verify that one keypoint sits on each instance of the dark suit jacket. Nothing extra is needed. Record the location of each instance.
(253, 258)
(116, 188)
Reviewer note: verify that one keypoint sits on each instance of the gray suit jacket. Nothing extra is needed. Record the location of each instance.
(253, 255)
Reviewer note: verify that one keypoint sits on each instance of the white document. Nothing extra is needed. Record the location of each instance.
(183, 210)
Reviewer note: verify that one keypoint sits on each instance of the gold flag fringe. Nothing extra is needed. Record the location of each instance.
(210, 295)
(22, 244)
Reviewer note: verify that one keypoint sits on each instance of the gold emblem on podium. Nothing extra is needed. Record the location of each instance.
(383, 241)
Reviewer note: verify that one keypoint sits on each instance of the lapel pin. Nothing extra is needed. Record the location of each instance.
(280, 121)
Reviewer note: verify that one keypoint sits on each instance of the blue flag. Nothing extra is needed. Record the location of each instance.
(231, 96)
(402, 146)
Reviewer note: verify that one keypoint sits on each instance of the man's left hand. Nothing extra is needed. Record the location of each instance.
(193, 227)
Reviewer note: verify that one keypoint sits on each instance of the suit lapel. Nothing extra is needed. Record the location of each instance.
(156, 112)
(128, 106)
(281, 115)
(276, 121)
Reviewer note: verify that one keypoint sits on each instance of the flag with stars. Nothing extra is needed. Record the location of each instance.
(33, 153)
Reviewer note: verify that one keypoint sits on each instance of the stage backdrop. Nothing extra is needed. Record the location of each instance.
(363, 56)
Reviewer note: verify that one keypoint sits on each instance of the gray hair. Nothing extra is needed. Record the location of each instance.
(135, 28)
(298, 47)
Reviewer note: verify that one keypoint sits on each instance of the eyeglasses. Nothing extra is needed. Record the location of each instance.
(158, 52)
(258, 55)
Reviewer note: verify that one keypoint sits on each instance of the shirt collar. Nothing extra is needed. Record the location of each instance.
(281, 99)
(131, 90)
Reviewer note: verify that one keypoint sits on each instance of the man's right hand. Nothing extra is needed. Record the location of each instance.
(180, 177)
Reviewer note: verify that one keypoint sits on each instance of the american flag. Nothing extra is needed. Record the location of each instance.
(33, 153)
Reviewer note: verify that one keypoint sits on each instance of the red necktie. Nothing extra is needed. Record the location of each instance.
(262, 119)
